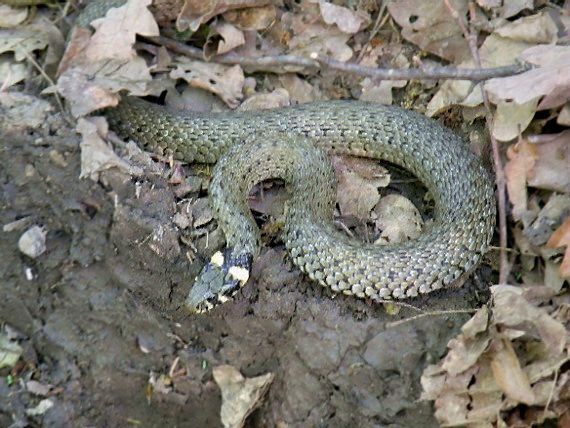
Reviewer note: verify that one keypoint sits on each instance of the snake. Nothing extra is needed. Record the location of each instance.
(294, 144)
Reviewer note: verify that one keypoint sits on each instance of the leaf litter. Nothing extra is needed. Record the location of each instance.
(512, 354)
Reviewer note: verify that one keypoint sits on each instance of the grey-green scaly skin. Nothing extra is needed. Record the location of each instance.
(290, 143)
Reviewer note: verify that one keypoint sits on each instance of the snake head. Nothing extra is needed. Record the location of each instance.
(219, 281)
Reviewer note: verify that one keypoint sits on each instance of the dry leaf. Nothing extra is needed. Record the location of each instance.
(10, 352)
(345, 19)
(316, 38)
(231, 38)
(22, 42)
(536, 29)
(96, 155)
(358, 183)
(115, 34)
(561, 238)
(430, 25)
(551, 75)
(514, 311)
(224, 81)
(379, 92)
(277, 98)
(495, 51)
(11, 17)
(564, 116)
(240, 396)
(513, 7)
(95, 68)
(195, 12)
(398, 219)
(468, 386)
(511, 119)
(38, 388)
(299, 89)
(508, 374)
(253, 18)
(551, 171)
(522, 158)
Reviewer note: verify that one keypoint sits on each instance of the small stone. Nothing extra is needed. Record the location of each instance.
(33, 242)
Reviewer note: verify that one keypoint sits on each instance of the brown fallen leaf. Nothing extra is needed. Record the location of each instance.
(277, 98)
(20, 43)
(508, 373)
(522, 158)
(223, 38)
(523, 364)
(512, 310)
(429, 25)
(253, 18)
(511, 119)
(95, 68)
(299, 89)
(11, 17)
(225, 81)
(240, 395)
(358, 183)
(398, 219)
(561, 238)
(96, 154)
(550, 76)
(495, 51)
(551, 170)
(345, 19)
(312, 35)
(514, 7)
(21, 111)
(115, 34)
(564, 115)
(196, 12)
(537, 29)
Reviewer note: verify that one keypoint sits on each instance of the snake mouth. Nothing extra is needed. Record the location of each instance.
(219, 281)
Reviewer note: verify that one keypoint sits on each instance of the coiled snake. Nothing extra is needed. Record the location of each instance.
(288, 143)
(291, 144)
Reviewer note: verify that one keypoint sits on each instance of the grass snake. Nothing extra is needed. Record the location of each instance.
(293, 143)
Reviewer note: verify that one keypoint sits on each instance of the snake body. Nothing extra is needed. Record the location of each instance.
(291, 143)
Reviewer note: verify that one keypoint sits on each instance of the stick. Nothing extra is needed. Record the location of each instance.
(316, 61)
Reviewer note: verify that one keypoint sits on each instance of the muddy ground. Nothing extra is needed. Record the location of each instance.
(100, 312)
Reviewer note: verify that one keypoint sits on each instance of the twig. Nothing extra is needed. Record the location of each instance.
(444, 72)
(52, 83)
(317, 61)
(551, 394)
(429, 314)
(499, 173)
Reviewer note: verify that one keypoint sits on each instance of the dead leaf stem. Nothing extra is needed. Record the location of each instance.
(471, 38)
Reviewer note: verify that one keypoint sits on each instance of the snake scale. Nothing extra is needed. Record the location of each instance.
(292, 144)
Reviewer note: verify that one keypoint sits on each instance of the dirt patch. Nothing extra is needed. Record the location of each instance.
(100, 313)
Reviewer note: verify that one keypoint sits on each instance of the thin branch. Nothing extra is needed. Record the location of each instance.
(499, 173)
(52, 83)
(443, 72)
(316, 61)
(430, 314)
